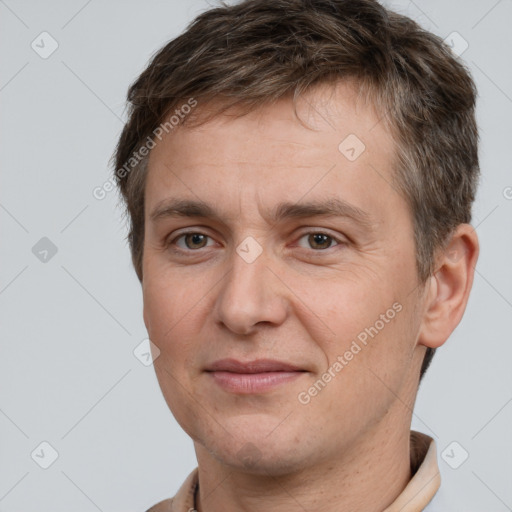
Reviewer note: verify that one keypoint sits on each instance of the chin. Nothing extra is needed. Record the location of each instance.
(258, 453)
(258, 460)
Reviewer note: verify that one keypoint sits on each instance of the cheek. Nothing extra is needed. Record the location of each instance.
(177, 394)
(366, 369)
(380, 368)
(346, 307)
(370, 330)
(173, 325)
(168, 304)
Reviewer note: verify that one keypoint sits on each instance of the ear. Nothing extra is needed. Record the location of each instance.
(447, 290)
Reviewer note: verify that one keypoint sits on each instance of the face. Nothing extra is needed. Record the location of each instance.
(271, 239)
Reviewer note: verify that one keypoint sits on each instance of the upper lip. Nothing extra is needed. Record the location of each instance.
(256, 366)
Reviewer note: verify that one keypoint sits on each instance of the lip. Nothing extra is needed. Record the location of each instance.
(253, 376)
(255, 366)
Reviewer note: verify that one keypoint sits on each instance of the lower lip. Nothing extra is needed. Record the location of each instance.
(247, 383)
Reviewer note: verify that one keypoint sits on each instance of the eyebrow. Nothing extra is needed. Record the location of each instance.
(333, 207)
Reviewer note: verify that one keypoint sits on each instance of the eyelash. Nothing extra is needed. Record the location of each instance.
(172, 242)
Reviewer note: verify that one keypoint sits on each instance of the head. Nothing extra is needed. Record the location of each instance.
(269, 102)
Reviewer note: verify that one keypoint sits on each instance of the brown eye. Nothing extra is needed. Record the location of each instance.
(192, 241)
(195, 240)
(319, 241)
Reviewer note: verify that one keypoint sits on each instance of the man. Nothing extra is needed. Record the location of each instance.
(298, 176)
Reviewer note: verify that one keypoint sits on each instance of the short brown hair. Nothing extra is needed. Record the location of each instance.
(259, 51)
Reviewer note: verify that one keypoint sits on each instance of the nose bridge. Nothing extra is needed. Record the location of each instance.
(249, 294)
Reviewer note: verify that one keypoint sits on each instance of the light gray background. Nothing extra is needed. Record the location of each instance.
(68, 375)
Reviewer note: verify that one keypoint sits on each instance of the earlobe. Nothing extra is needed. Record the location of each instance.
(449, 287)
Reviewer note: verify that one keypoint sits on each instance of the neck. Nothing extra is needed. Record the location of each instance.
(369, 476)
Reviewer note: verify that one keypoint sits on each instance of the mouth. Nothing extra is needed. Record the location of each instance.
(252, 377)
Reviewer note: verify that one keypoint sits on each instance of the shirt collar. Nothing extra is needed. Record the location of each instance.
(425, 480)
(416, 495)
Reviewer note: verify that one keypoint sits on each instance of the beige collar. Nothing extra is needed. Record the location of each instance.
(425, 480)
(414, 498)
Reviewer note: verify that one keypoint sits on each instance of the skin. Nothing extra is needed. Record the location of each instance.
(301, 301)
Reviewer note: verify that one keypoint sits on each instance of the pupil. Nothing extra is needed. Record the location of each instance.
(196, 238)
(320, 239)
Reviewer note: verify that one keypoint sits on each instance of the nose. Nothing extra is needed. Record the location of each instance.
(250, 294)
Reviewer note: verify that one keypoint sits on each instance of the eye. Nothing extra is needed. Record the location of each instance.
(193, 240)
(319, 241)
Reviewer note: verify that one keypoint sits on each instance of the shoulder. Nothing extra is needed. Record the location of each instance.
(162, 506)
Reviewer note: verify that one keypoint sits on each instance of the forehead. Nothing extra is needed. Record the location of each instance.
(334, 141)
